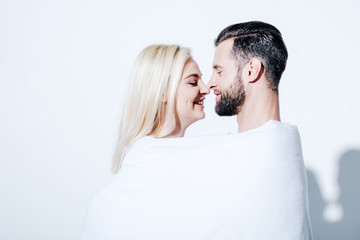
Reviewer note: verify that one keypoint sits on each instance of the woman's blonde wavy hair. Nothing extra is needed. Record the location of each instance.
(154, 80)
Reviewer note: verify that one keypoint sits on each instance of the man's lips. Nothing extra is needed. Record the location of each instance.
(218, 95)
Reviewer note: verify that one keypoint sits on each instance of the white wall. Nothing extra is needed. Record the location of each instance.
(63, 65)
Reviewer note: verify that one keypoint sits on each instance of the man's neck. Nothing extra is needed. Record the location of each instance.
(258, 110)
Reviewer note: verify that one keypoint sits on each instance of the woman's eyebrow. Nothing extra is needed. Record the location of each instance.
(193, 75)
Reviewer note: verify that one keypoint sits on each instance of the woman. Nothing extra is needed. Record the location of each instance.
(165, 95)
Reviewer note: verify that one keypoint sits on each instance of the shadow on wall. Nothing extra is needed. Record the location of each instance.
(348, 228)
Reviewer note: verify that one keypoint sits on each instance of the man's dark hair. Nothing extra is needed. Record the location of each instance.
(258, 39)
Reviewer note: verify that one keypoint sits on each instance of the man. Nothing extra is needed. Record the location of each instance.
(249, 61)
(248, 186)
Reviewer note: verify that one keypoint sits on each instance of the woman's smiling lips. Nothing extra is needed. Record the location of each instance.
(200, 102)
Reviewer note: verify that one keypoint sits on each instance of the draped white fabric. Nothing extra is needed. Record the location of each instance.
(237, 186)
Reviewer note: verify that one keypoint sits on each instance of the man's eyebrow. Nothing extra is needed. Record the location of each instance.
(193, 75)
(216, 67)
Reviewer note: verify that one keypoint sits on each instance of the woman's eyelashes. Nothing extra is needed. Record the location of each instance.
(193, 83)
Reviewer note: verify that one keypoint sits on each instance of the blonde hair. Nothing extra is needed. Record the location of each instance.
(154, 79)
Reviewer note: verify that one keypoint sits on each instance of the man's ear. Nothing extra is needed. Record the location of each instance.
(255, 70)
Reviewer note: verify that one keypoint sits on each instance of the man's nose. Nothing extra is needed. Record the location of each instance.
(212, 84)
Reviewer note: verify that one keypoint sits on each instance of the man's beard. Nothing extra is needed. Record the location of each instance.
(232, 99)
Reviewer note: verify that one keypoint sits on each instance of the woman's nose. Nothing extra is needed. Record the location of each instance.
(203, 88)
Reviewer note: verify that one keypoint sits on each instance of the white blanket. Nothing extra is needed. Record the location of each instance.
(239, 186)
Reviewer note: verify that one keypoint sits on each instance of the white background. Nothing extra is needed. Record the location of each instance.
(63, 66)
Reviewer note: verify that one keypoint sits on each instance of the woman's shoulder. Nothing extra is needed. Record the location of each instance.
(137, 148)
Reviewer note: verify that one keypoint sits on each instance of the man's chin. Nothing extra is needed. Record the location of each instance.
(223, 110)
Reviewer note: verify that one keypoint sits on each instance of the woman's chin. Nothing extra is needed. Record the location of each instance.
(196, 116)
(201, 115)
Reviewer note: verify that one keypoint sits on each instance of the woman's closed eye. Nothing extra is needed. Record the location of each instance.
(194, 83)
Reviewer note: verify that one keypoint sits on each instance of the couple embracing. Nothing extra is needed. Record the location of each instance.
(248, 185)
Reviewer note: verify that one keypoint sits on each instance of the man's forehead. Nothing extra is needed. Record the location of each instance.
(224, 49)
(223, 52)
(226, 44)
